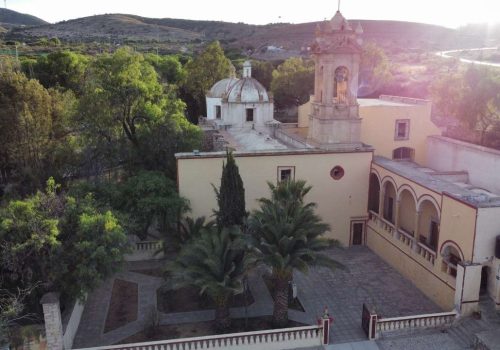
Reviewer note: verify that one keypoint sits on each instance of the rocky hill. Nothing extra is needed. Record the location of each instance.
(9, 19)
(270, 41)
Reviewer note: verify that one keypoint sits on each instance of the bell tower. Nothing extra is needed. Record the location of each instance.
(334, 120)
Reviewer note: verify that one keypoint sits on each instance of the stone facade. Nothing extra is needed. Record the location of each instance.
(334, 117)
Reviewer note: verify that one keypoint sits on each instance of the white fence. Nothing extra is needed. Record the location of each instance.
(442, 319)
(277, 339)
(145, 250)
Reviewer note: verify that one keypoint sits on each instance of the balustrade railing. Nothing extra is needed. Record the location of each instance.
(426, 252)
(406, 238)
(286, 338)
(436, 320)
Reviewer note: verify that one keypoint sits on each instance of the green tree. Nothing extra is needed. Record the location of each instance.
(230, 195)
(203, 72)
(34, 129)
(262, 71)
(216, 264)
(293, 82)
(286, 235)
(374, 71)
(62, 242)
(151, 198)
(64, 69)
(169, 68)
(472, 97)
(127, 117)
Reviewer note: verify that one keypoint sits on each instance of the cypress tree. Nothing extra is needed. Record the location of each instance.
(230, 195)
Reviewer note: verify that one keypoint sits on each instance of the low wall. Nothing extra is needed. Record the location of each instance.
(395, 325)
(289, 139)
(277, 339)
(145, 250)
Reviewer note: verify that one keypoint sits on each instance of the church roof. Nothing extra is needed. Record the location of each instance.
(247, 90)
(222, 87)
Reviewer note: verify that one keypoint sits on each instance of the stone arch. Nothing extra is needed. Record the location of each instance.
(428, 222)
(431, 199)
(407, 209)
(374, 193)
(390, 197)
(451, 255)
(446, 247)
(341, 84)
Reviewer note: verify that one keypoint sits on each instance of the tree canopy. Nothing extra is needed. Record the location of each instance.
(230, 195)
(293, 82)
(62, 242)
(203, 72)
(473, 97)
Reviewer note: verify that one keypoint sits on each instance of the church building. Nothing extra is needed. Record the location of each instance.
(381, 173)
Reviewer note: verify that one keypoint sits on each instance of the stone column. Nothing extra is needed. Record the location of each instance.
(396, 219)
(416, 232)
(327, 84)
(468, 283)
(53, 321)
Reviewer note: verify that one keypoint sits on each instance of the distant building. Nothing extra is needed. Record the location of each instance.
(382, 175)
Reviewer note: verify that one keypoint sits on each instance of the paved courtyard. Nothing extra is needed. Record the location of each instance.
(368, 280)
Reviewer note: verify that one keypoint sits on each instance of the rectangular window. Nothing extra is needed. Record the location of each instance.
(249, 114)
(217, 112)
(286, 173)
(402, 129)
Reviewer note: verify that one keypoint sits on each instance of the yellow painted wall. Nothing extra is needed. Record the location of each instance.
(458, 224)
(378, 128)
(338, 200)
(441, 292)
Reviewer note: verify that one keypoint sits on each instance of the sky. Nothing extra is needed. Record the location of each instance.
(448, 13)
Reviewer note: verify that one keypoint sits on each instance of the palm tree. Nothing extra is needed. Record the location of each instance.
(216, 263)
(286, 235)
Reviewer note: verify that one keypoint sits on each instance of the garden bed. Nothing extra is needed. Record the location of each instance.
(189, 299)
(122, 306)
(199, 329)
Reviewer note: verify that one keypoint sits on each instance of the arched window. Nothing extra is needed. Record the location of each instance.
(341, 85)
(403, 153)
(451, 257)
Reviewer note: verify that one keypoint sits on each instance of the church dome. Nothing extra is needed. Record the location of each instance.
(247, 90)
(222, 87)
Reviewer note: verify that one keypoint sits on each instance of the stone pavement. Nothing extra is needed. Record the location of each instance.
(368, 280)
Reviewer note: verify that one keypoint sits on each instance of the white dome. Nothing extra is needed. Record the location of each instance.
(247, 90)
(222, 87)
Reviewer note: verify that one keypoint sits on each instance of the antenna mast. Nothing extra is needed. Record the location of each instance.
(338, 8)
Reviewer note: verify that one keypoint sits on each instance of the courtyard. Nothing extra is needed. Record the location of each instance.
(368, 280)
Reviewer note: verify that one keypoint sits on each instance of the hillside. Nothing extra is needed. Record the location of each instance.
(9, 18)
(272, 41)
